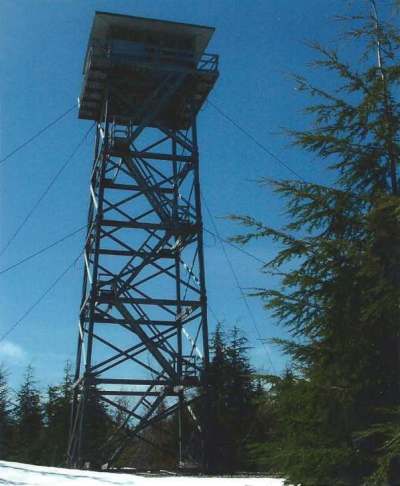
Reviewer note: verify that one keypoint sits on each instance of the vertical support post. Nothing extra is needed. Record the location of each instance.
(74, 431)
(203, 298)
(91, 248)
(175, 216)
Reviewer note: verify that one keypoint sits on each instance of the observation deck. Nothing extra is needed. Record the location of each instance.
(145, 64)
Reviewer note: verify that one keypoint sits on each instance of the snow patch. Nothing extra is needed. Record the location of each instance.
(17, 474)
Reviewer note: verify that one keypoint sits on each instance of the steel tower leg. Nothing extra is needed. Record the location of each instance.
(143, 333)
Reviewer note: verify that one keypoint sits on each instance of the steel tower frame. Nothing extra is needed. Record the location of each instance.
(143, 333)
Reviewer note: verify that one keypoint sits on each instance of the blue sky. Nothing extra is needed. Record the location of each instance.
(43, 44)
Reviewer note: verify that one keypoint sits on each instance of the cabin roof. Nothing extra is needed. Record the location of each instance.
(105, 24)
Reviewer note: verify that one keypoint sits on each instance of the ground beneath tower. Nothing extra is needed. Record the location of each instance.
(15, 473)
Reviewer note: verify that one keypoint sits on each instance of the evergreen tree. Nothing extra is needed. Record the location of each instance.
(264, 427)
(231, 397)
(5, 418)
(339, 294)
(98, 425)
(27, 441)
(57, 418)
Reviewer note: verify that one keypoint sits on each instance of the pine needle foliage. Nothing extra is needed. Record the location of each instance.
(232, 402)
(339, 261)
(57, 419)
(5, 414)
(28, 439)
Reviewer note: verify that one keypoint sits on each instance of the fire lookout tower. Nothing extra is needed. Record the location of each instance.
(143, 340)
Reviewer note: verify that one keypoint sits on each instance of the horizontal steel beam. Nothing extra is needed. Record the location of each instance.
(100, 319)
(135, 393)
(108, 297)
(172, 228)
(142, 254)
(109, 184)
(128, 381)
(150, 155)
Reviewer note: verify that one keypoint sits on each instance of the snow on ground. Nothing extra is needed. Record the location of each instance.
(17, 474)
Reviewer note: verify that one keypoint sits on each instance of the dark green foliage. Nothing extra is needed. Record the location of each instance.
(28, 430)
(37, 429)
(232, 398)
(97, 427)
(339, 295)
(389, 458)
(57, 418)
(5, 415)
